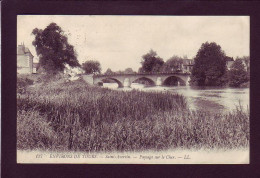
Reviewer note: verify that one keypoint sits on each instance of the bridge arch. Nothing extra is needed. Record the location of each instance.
(126, 80)
(120, 84)
(174, 80)
(143, 78)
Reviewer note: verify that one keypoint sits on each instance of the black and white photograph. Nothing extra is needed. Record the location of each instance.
(133, 89)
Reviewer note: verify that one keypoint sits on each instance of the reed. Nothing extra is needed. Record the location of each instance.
(74, 116)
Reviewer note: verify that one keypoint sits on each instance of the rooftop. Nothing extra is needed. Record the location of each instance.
(21, 50)
(229, 58)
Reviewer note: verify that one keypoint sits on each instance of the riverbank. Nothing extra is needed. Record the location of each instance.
(209, 99)
(63, 116)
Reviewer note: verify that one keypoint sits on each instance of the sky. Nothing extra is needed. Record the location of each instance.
(119, 42)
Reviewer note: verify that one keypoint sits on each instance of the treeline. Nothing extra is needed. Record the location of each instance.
(55, 52)
(209, 67)
(126, 71)
(151, 62)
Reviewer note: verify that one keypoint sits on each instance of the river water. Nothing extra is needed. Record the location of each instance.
(213, 99)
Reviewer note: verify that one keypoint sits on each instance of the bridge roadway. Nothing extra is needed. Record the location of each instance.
(125, 80)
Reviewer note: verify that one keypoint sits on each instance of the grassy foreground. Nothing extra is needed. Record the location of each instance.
(74, 116)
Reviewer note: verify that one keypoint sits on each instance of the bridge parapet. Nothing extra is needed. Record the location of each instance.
(149, 73)
(158, 78)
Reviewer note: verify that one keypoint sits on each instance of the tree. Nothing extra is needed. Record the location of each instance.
(238, 73)
(172, 65)
(246, 61)
(140, 70)
(209, 66)
(109, 72)
(151, 62)
(119, 72)
(129, 71)
(53, 49)
(91, 67)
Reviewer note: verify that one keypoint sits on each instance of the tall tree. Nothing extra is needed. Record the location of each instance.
(53, 49)
(209, 66)
(238, 74)
(151, 62)
(91, 67)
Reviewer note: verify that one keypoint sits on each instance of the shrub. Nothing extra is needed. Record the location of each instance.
(22, 84)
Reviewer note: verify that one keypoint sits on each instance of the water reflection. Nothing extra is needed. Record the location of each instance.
(212, 99)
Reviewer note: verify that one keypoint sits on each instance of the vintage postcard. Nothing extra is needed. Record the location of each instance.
(115, 89)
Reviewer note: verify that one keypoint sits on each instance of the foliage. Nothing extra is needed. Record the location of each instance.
(129, 71)
(238, 74)
(119, 72)
(22, 84)
(53, 49)
(84, 118)
(126, 71)
(34, 132)
(210, 66)
(109, 72)
(246, 61)
(151, 62)
(173, 64)
(91, 67)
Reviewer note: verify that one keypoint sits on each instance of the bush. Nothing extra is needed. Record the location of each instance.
(22, 84)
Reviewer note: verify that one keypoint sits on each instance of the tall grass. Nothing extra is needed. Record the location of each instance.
(75, 116)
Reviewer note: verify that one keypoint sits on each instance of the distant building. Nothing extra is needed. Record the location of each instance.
(25, 64)
(229, 62)
(36, 66)
(187, 65)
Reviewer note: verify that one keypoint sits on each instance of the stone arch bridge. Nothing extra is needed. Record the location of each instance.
(125, 80)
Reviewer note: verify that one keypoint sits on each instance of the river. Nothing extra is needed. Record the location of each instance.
(213, 99)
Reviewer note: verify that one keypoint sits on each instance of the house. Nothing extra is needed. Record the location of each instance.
(24, 60)
(187, 65)
(36, 66)
(229, 62)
